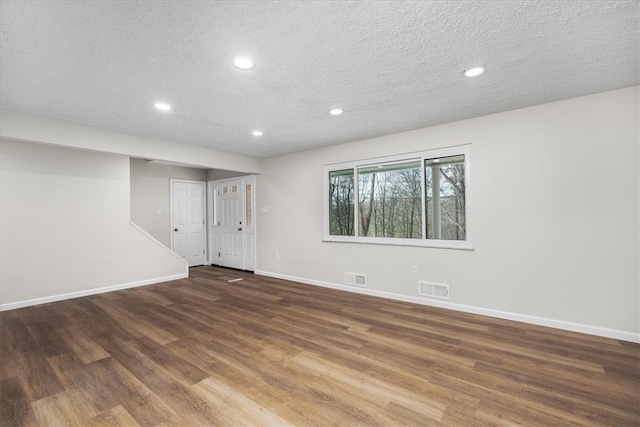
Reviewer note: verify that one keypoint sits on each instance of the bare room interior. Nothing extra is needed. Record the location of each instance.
(266, 213)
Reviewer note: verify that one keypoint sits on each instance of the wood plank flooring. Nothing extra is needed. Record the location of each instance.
(205, 352)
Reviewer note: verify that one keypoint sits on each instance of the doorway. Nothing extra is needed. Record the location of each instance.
(188, 237)
(232, 223)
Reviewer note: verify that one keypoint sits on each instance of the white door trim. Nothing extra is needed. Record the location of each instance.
(204, 213)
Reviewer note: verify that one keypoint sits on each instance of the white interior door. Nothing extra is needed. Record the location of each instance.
(187, 221)
(231, 215)
(232, 228)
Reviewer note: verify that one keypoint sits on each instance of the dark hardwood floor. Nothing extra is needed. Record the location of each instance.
(203, 351)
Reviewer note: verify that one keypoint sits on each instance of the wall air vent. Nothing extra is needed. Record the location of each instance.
(355, 279)
(433, 290)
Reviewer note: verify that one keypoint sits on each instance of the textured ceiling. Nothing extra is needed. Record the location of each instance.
(392, 66)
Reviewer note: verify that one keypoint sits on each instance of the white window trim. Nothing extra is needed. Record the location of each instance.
(408, 157)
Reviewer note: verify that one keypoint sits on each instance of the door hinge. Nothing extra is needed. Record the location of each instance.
(218, 254)
(203, 222)
(203, 252)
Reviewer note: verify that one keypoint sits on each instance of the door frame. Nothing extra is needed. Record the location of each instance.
(204, 214)
(245, 179)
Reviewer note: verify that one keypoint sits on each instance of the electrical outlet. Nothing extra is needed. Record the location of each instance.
(414, 270)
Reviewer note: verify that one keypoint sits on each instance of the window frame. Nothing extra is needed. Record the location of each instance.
(420, 156)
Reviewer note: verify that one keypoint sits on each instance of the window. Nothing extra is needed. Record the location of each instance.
(341, 202)
(390, 201)
(248, 205)
(445, 188)
(419, 199)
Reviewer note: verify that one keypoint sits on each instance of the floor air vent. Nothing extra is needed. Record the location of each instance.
(355, 279)
(433, 290)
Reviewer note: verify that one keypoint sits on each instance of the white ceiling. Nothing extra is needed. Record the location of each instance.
(392, 66)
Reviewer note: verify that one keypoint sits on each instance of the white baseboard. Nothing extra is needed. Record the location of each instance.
(525, 318)
(70, 295)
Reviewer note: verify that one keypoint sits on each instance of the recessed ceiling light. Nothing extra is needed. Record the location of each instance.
(257, 133)
(162, 106)
(243, 63)
(472, 72)
(335, 111)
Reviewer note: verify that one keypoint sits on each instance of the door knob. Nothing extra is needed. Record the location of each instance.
(240, 229)
(175, 229)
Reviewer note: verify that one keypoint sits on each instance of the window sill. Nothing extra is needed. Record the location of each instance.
(437, 244)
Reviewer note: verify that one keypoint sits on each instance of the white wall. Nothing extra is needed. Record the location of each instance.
(32, 128)
(65, 226)
(150, 192)
(555, 206)
(558, 244)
